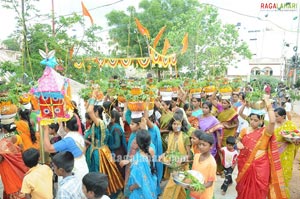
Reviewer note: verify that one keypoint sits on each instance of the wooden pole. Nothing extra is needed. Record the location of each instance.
(53, 21)
(42, 147)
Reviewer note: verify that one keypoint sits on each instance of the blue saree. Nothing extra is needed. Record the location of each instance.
(156, 140)
(146, 181)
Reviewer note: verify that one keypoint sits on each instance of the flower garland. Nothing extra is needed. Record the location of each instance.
(6, 135)
(155, 58)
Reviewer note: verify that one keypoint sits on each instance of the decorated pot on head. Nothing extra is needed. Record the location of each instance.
(137, 106)
(196, 95)
(7, 109)
(226, 92)
(258, 105)
(195, 90)
(8, 112)
(209, 90)
(25, 101)
(166, 93)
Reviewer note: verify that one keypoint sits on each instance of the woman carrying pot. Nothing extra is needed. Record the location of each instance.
(260, 172)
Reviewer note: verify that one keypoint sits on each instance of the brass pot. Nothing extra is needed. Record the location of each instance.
(258, 105)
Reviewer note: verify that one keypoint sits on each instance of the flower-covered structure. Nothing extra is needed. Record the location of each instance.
(53, 92)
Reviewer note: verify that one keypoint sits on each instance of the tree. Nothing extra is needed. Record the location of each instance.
(34, 38)
(217, 45)
(11, 44)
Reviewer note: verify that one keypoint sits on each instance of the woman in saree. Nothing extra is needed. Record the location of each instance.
(178, 142)
(196, 102)
(157, 142)
(25, 129)
(166, 115)
(98, 155)
(12, 167)
(137, 123)
(209, 124)
(229, 119)
(115, 139)
(286, 149)
(142, 186)
(260, 174)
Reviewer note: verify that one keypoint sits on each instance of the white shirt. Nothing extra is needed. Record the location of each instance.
(288, 106)
(229, 157)
(242, 122)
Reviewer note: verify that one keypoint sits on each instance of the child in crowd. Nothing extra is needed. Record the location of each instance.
(228, 158)
(192, 119)
(205, 163)
(94, 185)
(142, 179)
(37, 182)
(53, 129)
(70, 186)
(195, 139)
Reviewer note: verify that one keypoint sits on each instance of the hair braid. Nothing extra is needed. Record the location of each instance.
(25, 114)
(146, 150)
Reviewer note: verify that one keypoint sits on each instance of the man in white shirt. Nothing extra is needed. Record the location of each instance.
(243, 111)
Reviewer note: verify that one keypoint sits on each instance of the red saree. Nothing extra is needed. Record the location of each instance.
(259, 176)
(12, 170)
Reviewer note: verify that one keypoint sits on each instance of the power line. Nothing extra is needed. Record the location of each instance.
(49, 17)
(105, 5)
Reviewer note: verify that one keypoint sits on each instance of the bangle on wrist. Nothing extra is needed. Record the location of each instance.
(92, 101)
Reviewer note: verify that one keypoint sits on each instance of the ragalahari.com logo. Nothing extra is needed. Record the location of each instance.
(284, 6)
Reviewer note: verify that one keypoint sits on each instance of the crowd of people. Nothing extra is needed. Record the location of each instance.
(118, 153)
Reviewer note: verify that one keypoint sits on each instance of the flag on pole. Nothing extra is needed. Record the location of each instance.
(158, 36)
(141, 28)
(85, 12)
(166, 46)
(71, 51)
(185, 42)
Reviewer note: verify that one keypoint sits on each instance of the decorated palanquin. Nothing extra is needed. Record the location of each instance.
(54, 95)
(51, 91)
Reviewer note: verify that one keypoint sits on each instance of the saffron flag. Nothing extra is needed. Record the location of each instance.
(141, 28)
(166, 46)
(158, 36)
(85, 12)
(185, 42)
(71, 51)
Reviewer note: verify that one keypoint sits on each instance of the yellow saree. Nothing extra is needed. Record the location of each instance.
(227, 116)
(286, 151)
(173, 190)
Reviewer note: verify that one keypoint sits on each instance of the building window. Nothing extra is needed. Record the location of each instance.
(255, 71)
(268, 71)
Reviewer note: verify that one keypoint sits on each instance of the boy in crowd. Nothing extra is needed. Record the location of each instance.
(70, 186)
(205, 163)
(228, 158)
(94, 185)
(37, 182)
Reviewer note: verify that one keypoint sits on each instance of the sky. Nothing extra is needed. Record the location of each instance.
(97, 8)
(277, 26)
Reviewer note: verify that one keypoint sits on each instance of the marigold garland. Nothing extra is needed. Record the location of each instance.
(155, 58)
